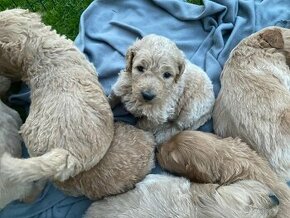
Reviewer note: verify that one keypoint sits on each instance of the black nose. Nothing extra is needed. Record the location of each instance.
(147, 95)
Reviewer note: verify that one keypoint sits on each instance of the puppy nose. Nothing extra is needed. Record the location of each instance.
(147, 95)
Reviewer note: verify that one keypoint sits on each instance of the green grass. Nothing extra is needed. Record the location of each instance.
(198, 2)
(62, 15)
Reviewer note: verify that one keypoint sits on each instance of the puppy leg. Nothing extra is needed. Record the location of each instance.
(57, 164)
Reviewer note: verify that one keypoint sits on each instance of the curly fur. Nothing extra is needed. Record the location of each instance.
(206, 158)
(10, 142)
(168, 196)
(183, 101)
(254, 101)
(128, 160)
(70, 124)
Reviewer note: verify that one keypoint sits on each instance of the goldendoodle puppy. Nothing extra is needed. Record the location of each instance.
(10, 142)
(254, 101)
(168, 196)
(163, 89)
(70, 124)
(206, 158)
(128, 161)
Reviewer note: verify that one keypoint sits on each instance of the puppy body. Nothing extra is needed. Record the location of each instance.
(128, 160)
(10, 142)
(254, 101)
(182, 92)
(206, 158)
(168, 196)
(70, 123)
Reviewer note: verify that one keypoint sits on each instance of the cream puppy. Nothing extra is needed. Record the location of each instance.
(254, 100)
(206, 158)
(70, 124)
(129, 159)
(168, 196)
(163, 89)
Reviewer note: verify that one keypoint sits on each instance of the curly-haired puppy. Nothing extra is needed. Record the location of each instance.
(163, 89)
(10, 142)
(206, 158)
(254, 101)
(70, 123)
(168, 196)
(128, 160)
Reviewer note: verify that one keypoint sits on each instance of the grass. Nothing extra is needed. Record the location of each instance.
(197, 2)
(62, 15)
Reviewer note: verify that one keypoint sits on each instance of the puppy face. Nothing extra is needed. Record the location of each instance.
(155, 66)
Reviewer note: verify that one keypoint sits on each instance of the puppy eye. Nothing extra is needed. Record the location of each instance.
(167, 75)
(140, 68)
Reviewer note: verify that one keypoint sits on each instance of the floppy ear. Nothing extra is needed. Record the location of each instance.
(181, 68)
(176, 157)
(129, 58)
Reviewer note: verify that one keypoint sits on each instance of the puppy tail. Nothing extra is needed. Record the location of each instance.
(56, 164)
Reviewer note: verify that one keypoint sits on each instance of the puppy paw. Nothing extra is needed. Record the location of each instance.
(67, 169)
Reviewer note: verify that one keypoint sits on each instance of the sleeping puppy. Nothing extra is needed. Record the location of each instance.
(10, 142)
(70, 123)
(163, 89)
(254, 100)
(167, 196)
(206, 158)
(128, 160)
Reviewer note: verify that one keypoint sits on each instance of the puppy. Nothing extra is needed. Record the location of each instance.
(10, 142)
(254, 100)
(168, 196)
(70, 124)
(206, 158)
(163, 89)
(128, 160)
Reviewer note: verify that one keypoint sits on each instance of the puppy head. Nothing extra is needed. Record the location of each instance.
(155, 66)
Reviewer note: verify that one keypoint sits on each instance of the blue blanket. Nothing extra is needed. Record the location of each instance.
(206, 34)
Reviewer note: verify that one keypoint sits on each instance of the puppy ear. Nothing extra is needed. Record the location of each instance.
(176, 157)
(181, 68)
(129, 58)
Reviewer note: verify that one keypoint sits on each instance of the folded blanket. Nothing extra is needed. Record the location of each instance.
(205, 33)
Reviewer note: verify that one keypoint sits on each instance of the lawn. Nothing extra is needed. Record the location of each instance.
(63, 15)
